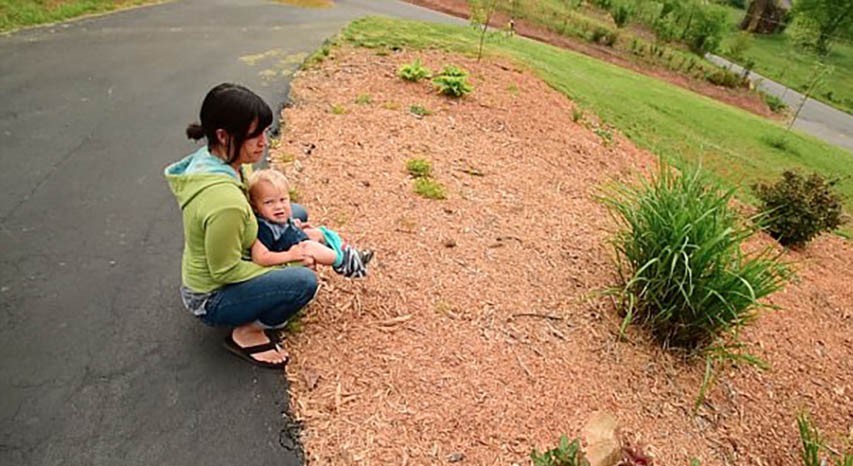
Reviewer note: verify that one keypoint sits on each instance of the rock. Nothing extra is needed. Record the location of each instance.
(603, 447)
(455, 458)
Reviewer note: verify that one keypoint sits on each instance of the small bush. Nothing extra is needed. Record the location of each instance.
(565, 454)
(414, 71)
(429, 188)
(338, 109)
(419, 110)
(419, 168)
(798, 208)
(775, 104)
(739, 45)
(679, 255)
(604, 36)
(621, 12)
(364, 99)
(452, 81)
(725, 78)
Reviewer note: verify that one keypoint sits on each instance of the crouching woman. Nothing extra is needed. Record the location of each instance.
(219, 284)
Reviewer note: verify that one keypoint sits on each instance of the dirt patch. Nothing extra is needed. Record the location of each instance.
(738, 97)
(478, 332)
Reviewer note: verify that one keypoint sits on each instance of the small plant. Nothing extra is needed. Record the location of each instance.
(364, 99)
(419, 110)
(739, 45)
(604, 36)
(512, 89)
(577, 114)
(565, 454)
(679, 257)
(338, 109)
(419, 168)
(452, 81)
(813, 443)
(414, 71)
(621, 12)
(294, 194)
(429, 188)
(775, 104)
(605, 134)
(798, 208)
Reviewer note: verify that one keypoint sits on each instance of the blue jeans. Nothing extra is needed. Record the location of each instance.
(269, 299)
(297, 211)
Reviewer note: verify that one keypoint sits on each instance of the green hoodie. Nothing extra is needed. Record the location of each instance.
(219, 225)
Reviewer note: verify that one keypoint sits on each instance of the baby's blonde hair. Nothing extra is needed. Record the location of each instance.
(273, 177)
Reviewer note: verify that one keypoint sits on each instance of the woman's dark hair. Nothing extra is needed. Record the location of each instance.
(231, 107)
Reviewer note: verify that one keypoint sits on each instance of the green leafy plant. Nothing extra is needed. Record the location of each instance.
(364, 99)
(604, 36)
(338, 109)
(605, 134)
(621, 12)
(679, 258)
(419, 110)
(419, 168)
(414, 71)
(775, 104)
(429, 188)
(565, 454)
(798, 208)
(577, 114)
(452, 81)
(294, 194)
(739, 45)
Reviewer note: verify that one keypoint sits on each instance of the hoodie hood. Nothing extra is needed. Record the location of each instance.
(196, 172)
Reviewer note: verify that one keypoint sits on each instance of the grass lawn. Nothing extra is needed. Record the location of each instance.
(780, 61)
(682, 127)
(16, 14)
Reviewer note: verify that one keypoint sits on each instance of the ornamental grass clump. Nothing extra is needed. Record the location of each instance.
(679, 258)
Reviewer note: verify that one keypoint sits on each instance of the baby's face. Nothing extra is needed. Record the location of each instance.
(271, 203)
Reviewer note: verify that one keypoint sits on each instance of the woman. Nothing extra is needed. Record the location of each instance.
(219, 285)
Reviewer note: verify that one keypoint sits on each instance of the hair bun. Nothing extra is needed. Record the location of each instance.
(195, 131)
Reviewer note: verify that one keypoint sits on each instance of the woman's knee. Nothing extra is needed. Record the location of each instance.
(298, 212)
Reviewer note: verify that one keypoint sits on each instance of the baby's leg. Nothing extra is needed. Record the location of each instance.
(315, 234)
(321, 254)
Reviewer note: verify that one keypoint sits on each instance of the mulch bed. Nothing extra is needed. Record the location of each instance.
(479, 331)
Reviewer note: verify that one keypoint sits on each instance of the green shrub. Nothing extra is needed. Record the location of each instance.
(725, 78)
(419, 168)
(798, 208)
(678, 254)
(706, 29)
(565, 454)
(775, 104)
(603, 35)
(429, 188)
(414, 71)
(452, 81)
(739, 45)
(621, 12)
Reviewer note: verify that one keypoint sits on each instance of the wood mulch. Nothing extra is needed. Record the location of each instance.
(742, 98)
(479, 332)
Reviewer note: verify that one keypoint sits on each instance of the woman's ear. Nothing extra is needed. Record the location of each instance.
(222, 137)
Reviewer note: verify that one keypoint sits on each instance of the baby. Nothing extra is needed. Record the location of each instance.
(278, 232)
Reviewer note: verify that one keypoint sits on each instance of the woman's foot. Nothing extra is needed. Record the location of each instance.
(249, 335)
